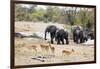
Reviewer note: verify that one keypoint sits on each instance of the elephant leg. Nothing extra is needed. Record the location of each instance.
(77, 39)
(67, 41)
(52, 37)
(74, 38)
(81, 40)
(51, 40)
(62, 40)
(85, 39)
(58, 41)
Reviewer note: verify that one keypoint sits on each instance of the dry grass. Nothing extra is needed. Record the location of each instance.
(26, 50)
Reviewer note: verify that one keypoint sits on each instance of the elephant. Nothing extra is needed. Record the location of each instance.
(80, 35)
(91, 35)
(52, 30)
(83, 36)
(61, 35)
(76, 31)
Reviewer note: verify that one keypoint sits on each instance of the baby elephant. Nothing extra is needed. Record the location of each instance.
(61, 35)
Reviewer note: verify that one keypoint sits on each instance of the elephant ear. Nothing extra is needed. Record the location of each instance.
(57, 30)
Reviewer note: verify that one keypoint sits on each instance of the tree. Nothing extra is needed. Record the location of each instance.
(38, 15)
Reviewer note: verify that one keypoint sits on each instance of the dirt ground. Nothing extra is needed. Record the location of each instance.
(25, 54)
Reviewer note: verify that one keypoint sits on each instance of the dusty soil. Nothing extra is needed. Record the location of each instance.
(33, 27)
(25, 54)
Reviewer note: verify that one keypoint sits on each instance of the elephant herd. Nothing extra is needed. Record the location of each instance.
(79, 35)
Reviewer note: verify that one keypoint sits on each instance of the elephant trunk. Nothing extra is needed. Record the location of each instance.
(45, 35)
